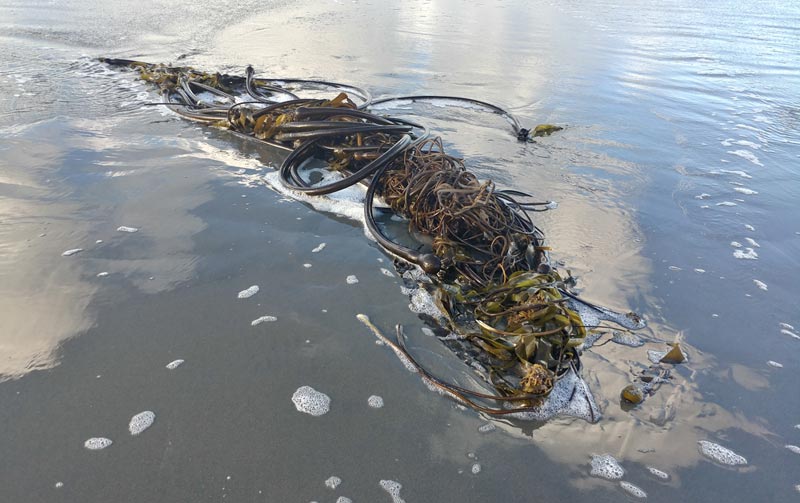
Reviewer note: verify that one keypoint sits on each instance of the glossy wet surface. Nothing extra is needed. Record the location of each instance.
(676, 179)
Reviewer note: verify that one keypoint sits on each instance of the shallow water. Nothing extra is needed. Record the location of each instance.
(682, 138)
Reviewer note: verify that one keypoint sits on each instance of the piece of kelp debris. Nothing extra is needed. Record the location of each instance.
(473, 248)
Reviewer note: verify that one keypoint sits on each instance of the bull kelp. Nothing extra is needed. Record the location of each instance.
(472, 246)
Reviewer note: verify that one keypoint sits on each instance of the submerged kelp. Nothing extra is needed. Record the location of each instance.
(481, 253)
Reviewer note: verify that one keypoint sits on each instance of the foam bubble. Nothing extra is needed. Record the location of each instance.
(59, 485)
(352, 279)
(700, 271)
(790, 333)
(702, 196)
(745, 190)
(307, 265)
(775, 364)
(343, 499)
(333, 482)
(97, 443)
(606, 467)
(387, 272)
(736, 244)
(749, 227)
(263, 319)
(753, 242)
(720, 454)
(786, 326)
(658, 473)
(487, 428)
(319, 248)
(760, 284)
(375, 401)
(102, 274)
(248, 292)
(71, 252)
(746, 254)
(427, 331)
(633, 490)
(141, 422)
(124, 228)
(174, 364)
(674, 268)
(476, 468)
(726, 203)
(393, 488)
(307, 399)
(793, 448)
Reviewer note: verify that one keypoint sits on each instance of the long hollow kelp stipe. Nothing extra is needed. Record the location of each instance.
(480, 251)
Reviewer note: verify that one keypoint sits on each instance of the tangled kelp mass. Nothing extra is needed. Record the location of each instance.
(483, 257)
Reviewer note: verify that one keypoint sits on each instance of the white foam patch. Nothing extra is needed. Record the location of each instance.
(793, 448)
(607, 467)
(700, 271)
(627, 339)
(752, 242)
(97, 443)
(333, 482)
(348, 203)
(727, 203)
(487, 428)
(174, 364)
(790, 334)
(746, 254)
(393, 488)
(319, 248)
(476, 468)
(655, 356)
(786, 326)
(721, 455)
(427, 331)
(352, 279)
(307, 265)
(749, 227)
(387, 272)
(570, 396)
(124, 228)
(633, 490)
(248, 292)
(658, 473)
(59, 485)
(307, 399)
(674, 268)
(141, 422)
(343, 499)
(743, 174)
(263, 319)
(375, 401)
(102, 274)
(747, 155)
(736, 244)
(702, 196)
(71, 252)
(760, 284)
(745, 190)
(775, 364)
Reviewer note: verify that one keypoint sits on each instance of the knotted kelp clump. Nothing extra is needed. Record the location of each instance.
(477, 245)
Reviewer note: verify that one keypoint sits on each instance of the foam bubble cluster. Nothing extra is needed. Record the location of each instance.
(71, 252)
(97, 443)
(746, 254)
(476, 468)
(606, 467)
(387, 272)
(124, 228)
(793, 448)
(487, 428)
(141, 422)
(174, 364)
(319, 248)
(333, 482)
(248, 292)
(393, 488)
(633, 490)
(658, 473)
(375, 402)
(627, 339)
(775, 364)
(760, 284)
(343, 499)
(352, 279)
(263, 319)
(307, 399)
(720, 454)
